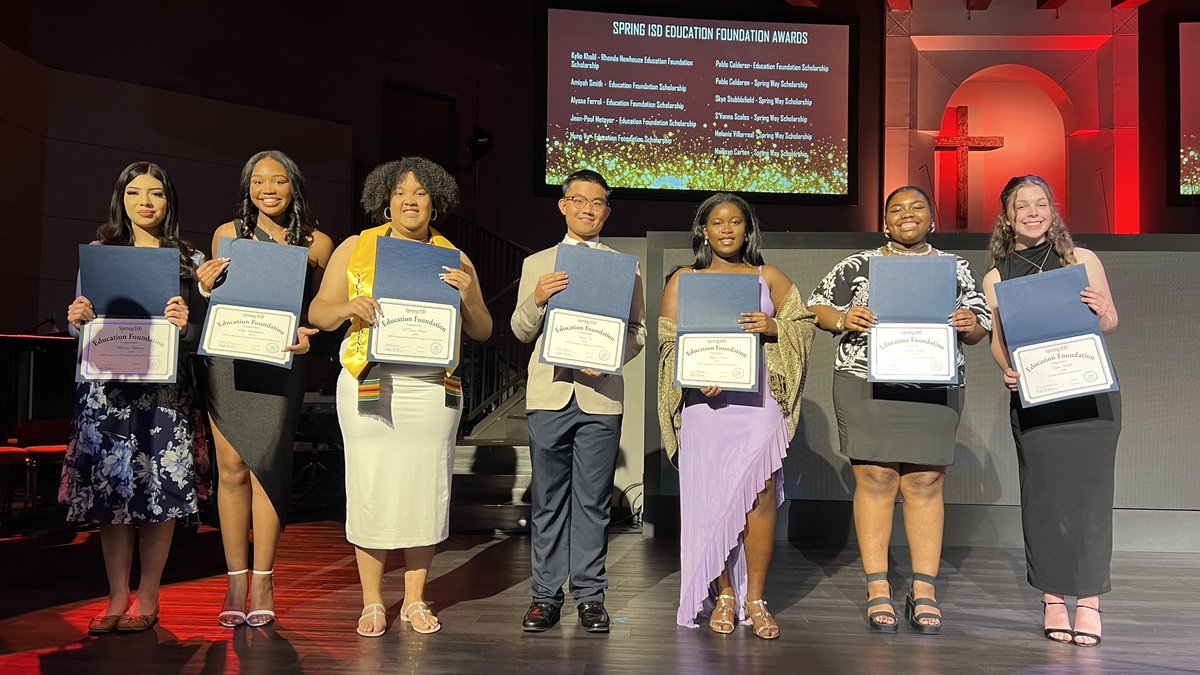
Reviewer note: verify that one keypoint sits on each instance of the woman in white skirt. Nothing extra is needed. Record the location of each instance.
(399, 423)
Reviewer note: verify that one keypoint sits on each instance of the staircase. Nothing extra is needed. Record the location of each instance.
(489, 489)
(490, 486)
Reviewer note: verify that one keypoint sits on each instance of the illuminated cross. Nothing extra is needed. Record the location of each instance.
(962, 144)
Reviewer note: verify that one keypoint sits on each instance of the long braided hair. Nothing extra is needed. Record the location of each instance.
(300, 221)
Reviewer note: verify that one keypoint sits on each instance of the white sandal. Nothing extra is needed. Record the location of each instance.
(232, 618)
(421, 608)
(375, 610)
(267, 614)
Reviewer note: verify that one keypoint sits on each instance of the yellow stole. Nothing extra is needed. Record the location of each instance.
(360, 279)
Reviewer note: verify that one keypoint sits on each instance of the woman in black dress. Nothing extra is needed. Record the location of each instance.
(254, 407)
(1066, 449)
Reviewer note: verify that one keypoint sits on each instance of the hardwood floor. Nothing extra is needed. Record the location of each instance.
(480, 590)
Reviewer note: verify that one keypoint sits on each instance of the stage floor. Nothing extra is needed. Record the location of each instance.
(479, 588)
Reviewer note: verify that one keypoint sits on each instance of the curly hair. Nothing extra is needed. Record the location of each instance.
(118, 231)
(1003, 240)
(300, 221)
(383, 179)
(752, 246)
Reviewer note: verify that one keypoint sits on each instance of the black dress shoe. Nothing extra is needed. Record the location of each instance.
(541, 617)
(593, 617)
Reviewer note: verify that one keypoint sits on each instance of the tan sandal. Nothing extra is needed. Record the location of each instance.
(422, 609)
(105, 623)
(724, 609)
(768, 629)
(134, 623)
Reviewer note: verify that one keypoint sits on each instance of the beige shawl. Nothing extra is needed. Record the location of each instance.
(787, 365)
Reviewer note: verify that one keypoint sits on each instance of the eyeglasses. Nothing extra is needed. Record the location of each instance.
(582, 202)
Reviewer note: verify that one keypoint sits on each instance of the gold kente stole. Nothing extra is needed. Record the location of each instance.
(360, 279)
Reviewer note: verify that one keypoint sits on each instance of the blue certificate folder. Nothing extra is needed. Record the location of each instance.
(601, 284)
(261, 275)
(127, 281)
(714, 303)
(408, 270)
(914, 290)
(1045, 308)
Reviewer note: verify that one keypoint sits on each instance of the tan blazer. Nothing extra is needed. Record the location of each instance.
(551, 387)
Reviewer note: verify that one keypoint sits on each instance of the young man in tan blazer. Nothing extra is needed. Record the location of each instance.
(574, 430)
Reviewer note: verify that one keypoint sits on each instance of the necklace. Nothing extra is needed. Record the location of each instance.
(1037, 265)
(896, 251)
(271, 236)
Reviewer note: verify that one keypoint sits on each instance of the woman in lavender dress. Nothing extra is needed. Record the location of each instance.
(731, 445)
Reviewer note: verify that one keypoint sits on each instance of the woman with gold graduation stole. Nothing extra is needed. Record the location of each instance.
(399, 423)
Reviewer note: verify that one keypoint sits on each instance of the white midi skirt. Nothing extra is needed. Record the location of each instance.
(399, 458)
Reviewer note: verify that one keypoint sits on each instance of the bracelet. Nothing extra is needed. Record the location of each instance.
(841, 324)
(203, 293)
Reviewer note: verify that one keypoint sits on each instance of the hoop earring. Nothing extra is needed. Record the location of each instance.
(932, 227)
(387, 213)
(434, 216)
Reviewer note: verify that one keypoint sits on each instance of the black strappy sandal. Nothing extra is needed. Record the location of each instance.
(1049, 631)
(1075, 635)
(872, 617)
(911, 603)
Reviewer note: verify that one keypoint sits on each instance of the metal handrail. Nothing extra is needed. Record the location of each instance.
(495, 369)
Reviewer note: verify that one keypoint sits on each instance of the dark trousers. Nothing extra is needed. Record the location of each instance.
(573, 456)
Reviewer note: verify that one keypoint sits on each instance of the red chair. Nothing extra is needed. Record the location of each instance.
(12, 460)
(45, 442)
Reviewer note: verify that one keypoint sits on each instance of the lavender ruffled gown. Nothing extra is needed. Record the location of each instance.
(729, 445)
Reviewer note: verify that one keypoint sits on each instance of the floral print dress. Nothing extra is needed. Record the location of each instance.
(136, 452)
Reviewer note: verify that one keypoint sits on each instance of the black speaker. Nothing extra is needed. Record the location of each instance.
(480, 143)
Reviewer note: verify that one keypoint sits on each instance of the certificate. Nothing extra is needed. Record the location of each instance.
(725, 360)
(1063, 368)
(415, 332)
(912, 299)
(581, 340)
(586, 323)
(1054, 340)
(128, 350)
(912, 352)
(255, 307)
(249, 333)
(420, 320)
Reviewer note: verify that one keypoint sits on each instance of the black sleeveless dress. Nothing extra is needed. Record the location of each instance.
(1066, 453)
(256, 406)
